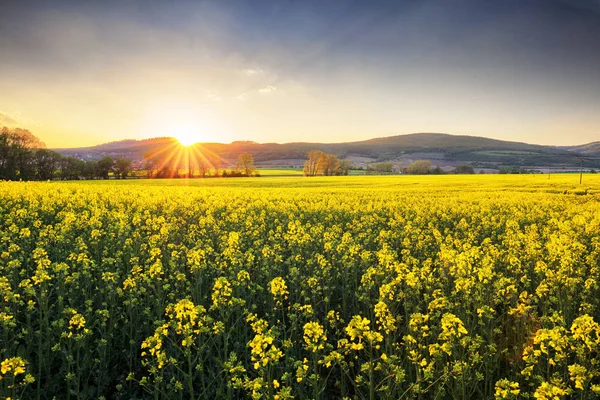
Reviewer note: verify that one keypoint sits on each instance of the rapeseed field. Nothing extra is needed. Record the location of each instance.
(279, 288)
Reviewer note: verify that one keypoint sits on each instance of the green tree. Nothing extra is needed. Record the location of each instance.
(122, 167)
(71, 168)
(90, 171)
(45, 163)
(381, 168)
(345, 167)
(419, 167)
(105, 166)
(16, 153)
(464, 169)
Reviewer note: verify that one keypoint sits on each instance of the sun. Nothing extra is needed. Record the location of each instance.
(186, 135)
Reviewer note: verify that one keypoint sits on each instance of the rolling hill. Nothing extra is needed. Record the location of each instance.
(589, 149)
(442, 149)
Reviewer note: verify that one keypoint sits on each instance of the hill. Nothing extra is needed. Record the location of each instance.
(442, 149)
(589, 149)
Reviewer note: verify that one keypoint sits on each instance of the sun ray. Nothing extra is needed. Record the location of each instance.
(208, 156)
(163, 163)
(175, 159)
(186, 135)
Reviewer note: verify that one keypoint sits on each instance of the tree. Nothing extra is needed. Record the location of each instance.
(330, 165)
(311, 166)
(345, 167)
(150, 164)
(45, 163)
(246, 164)
(419, 167)
(16, 153)
(122, 167)
(437, 170)
(464, 169)
(90, 170)
(203, 166)
(71, 168)
(216, 163)
(105, 166)
(381, 168)
(320, 163)
(163, 162)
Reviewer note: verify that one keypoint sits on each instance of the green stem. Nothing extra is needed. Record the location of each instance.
(190, 376)
(40, 358)
(371, 375)
(316, 386)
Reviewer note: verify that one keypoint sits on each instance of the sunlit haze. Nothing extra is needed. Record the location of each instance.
(80, 73)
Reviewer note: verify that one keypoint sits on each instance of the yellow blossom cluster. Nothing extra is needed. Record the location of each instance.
(395, 287)
(314, 336)
(360, 332)
(77, 325)
(278, 288)
(263, 350)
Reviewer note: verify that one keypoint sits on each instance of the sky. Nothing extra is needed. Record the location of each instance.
(80, 73)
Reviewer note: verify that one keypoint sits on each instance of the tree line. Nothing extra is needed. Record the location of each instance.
(417, 167)
(23, 156)
(321, 163)
(195, 161)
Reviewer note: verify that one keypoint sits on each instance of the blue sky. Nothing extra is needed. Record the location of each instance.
(80, 72)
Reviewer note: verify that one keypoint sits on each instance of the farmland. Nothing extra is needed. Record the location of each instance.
(291, 287)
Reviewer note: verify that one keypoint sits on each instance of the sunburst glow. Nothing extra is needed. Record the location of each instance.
(186, 135)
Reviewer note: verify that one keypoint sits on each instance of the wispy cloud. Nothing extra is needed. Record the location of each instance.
(253, 71)
(17, 118)
(214, 96)
(267, 89)
(7, 119)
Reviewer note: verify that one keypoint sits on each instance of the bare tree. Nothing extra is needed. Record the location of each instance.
(330, 165)
(203, 167)
(320, 163)
(246, 164)
(311, 166)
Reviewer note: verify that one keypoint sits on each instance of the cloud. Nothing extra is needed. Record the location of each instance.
(7, 119)
(16, 118)
(253, 71)
(214, 96)
(267, 89)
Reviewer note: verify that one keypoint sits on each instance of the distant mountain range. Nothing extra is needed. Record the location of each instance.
(442, 149)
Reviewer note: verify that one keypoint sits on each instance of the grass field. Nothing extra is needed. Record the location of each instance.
(390, 287)
(280, 172)
(433, 184)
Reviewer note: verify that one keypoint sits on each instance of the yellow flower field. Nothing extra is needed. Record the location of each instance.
(390, 287)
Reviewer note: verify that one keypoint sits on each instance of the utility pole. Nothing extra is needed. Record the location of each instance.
(581, 171)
